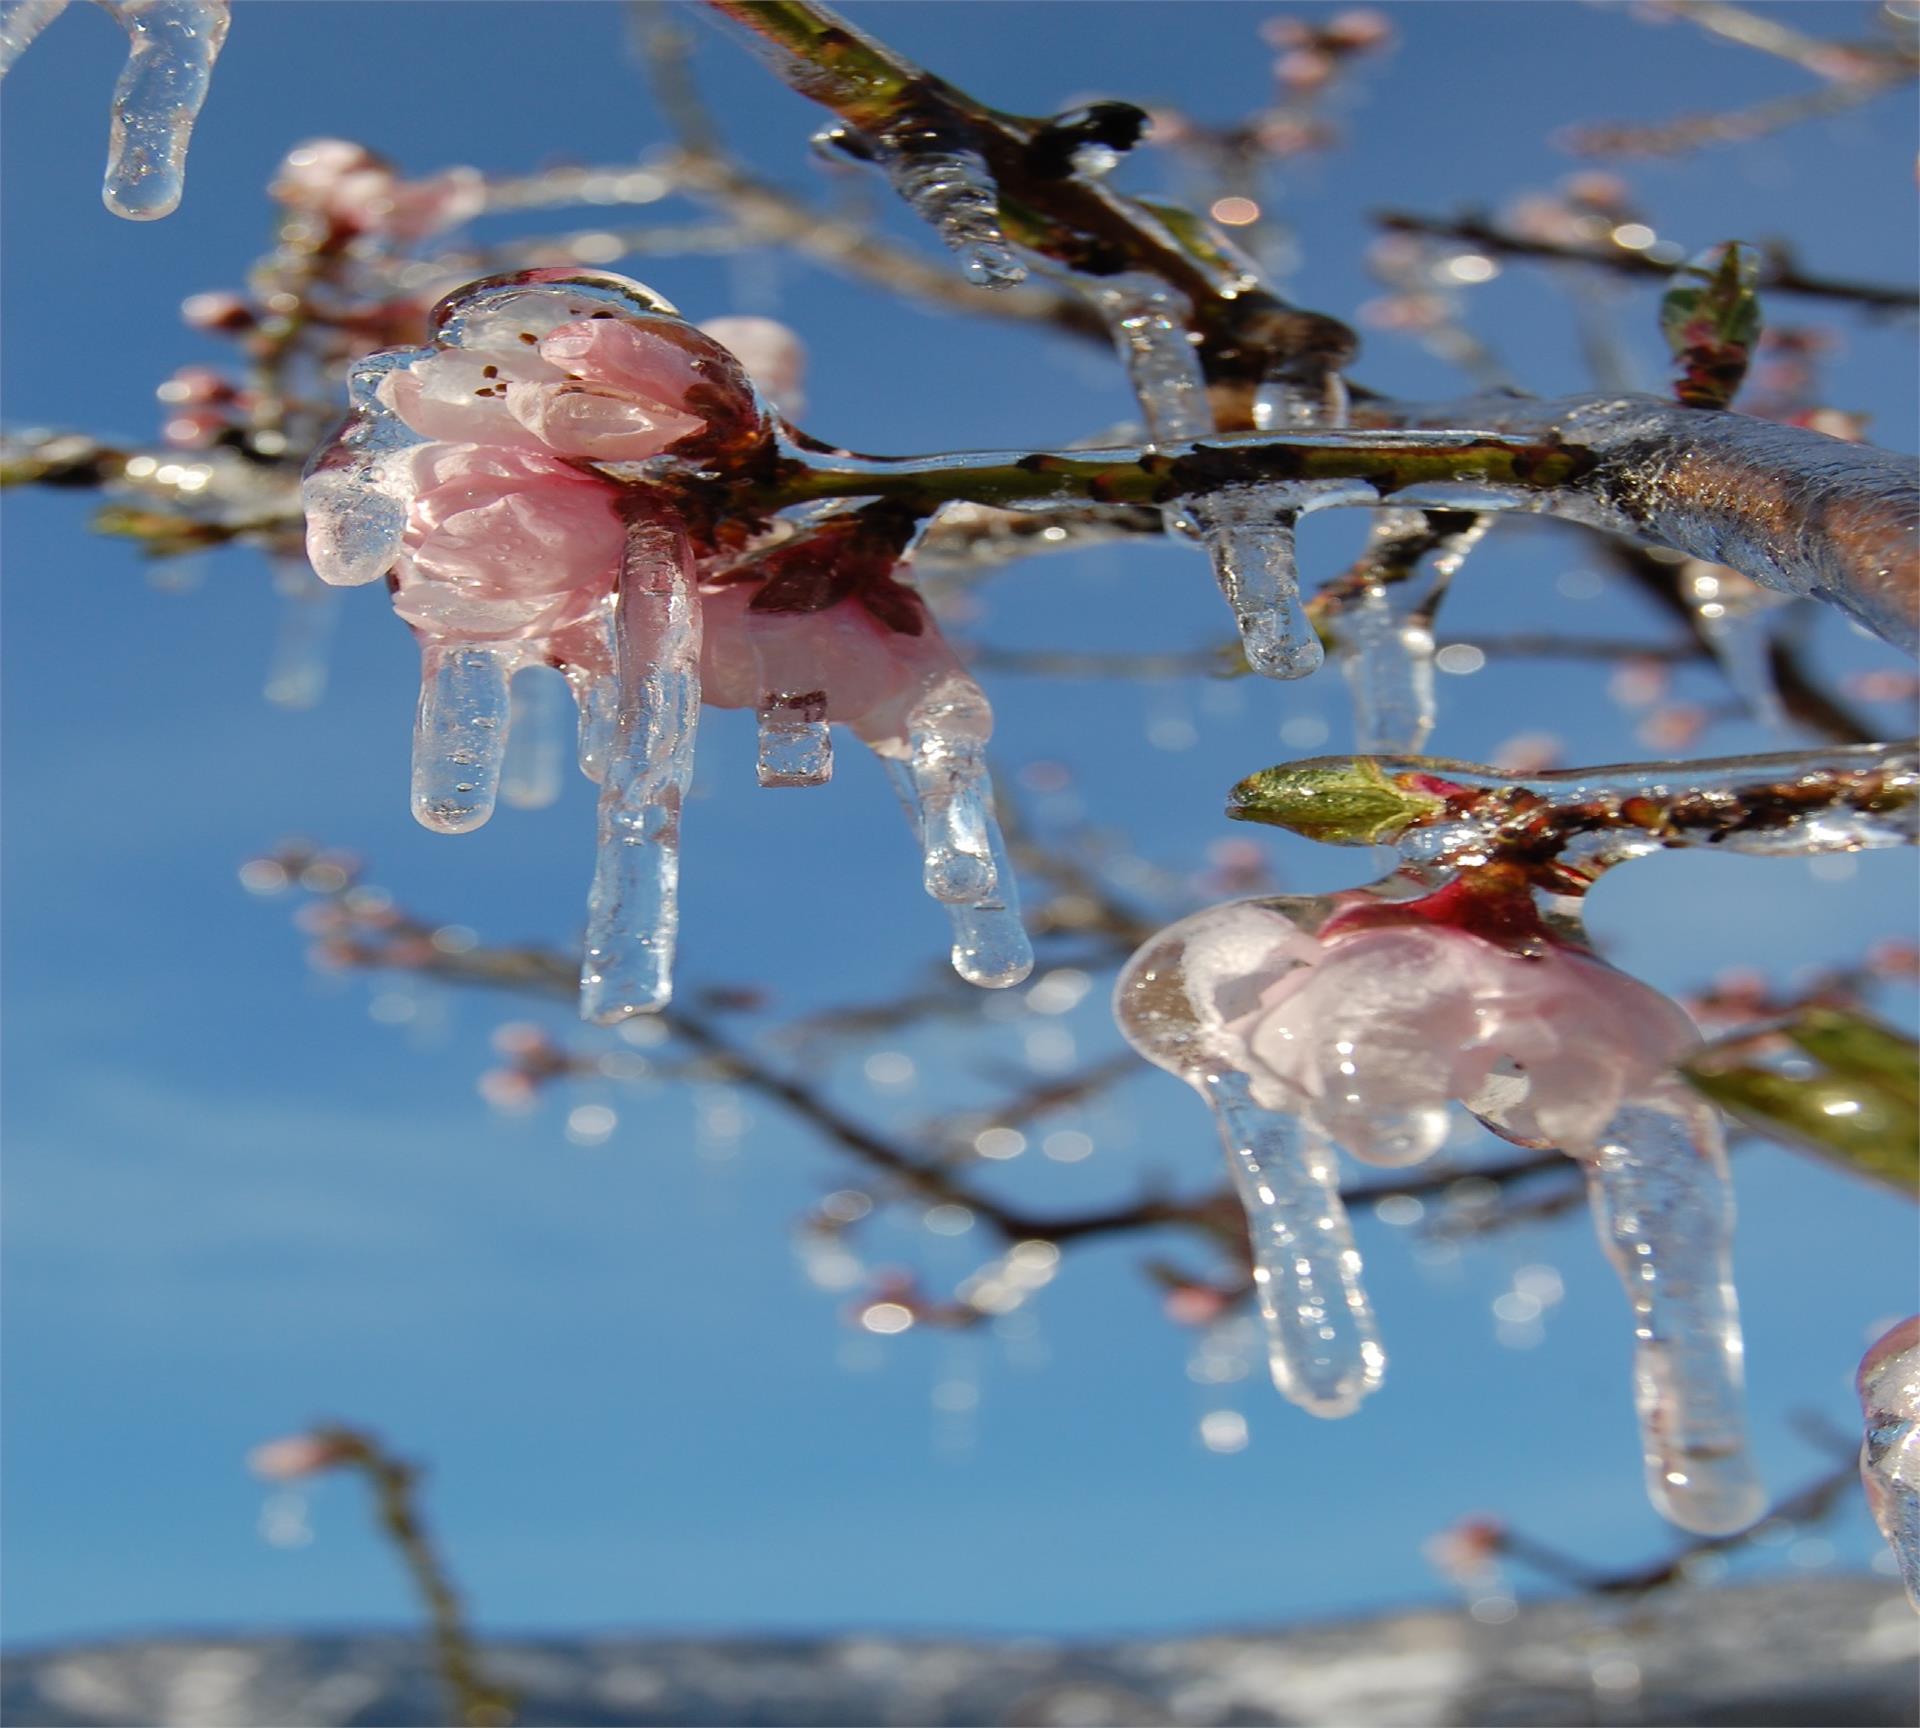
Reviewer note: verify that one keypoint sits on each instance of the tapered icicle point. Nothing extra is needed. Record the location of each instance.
(20, 22)
(536, 757)
(990, 943)
(633, 912)
(172, 47)
(796, 745)
(459, 734)
(1250, 538)
(1890, 1454)
(1663, 1209)
(309, 610)
(1322, 1346)
(953, 191)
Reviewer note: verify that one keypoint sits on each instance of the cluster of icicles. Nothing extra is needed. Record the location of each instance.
(171, 48)
(1357, 1020)
(504, 479)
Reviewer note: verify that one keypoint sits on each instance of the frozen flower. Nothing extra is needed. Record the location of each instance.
(505, 543)
(1374, 1031)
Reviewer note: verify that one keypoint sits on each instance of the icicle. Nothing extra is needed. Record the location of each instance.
(990, 945)
(1663, 1208)
(1321, 1344)
(953, 191)
(459, 733)
(536, 741)
(1385, 635)
(1732, 614)
(1249, 535)
(309, 610)
(947, 773)
(173, 44)
(20, 22)
(796, 746)
(597, 696)
(633, 912)
(1890, 1454)
(1176, 1003)
(1149, 326)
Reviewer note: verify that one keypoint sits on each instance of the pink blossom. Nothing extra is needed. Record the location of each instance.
(859, 664)
(601, 390)
(1383, 1026)
(297, 1455)
(504, 543)
(358, 192)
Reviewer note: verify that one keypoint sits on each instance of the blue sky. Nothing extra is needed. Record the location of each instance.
(238, 1201)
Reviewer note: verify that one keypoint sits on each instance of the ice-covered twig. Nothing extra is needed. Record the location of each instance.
(1572, 823)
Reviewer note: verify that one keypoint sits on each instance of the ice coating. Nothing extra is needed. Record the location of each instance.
(1385, 632)
(309, 611)
(1249, 535)
(951, 189)
(874, 661)
(796, 745)
(1889, 1386)
(1359, 1020)
(459, 733)
(1663, 1210)
(1176, 1002)
(633, 913)
(172, 45)
(20, 22)
(171, 48)
(535, 761)
(1149, 323)
(1321, 1348)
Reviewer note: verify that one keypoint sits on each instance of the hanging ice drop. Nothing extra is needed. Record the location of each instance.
(172, 47)
(536, 756)
(953, 191)
(796, 745)
(1175, 1003)
(1321, 1345)
(990, 944)
(459, 733)
(1663, 1209)
(633, 912)
(1148, 322)
(947, 772)
(1249, 536)
(1889, 1386)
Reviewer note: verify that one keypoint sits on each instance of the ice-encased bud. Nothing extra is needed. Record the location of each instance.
(1889, 1385)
